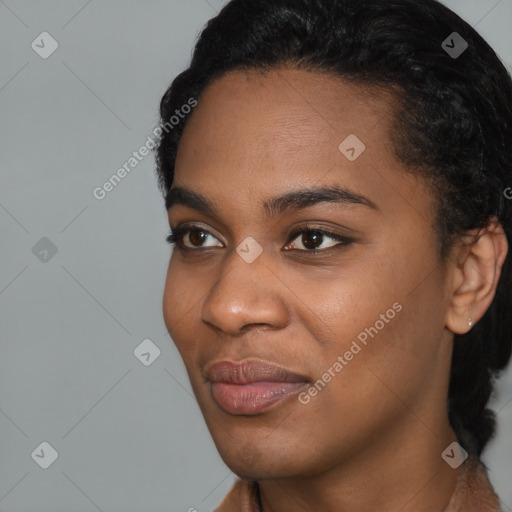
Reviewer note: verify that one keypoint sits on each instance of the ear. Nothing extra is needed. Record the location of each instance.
(475, 270)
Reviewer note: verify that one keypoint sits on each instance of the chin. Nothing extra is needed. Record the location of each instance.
(251, 462)
(258, 471)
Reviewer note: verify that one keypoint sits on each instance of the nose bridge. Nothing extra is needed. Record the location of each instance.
(246, 292)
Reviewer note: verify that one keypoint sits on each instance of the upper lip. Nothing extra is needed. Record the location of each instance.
(248, 371)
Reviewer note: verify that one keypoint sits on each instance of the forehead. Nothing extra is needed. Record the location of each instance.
(285, 111)
(256, 135)
(282, 112)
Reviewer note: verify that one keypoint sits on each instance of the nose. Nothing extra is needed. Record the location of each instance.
(246, 295)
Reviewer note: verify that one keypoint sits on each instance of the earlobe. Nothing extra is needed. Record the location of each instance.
(475, 273)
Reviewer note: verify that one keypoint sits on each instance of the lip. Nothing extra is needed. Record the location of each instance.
(252, 386)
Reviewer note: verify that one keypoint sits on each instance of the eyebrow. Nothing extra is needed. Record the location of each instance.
(290, 201)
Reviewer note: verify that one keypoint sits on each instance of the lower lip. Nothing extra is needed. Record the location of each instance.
(254, 397)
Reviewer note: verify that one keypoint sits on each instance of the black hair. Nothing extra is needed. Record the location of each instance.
(452, 125)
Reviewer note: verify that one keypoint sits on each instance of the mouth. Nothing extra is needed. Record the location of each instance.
(252, 386)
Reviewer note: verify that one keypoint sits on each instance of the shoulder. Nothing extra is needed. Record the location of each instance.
(473, 492)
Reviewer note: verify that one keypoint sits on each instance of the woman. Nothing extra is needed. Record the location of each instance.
(335, 175)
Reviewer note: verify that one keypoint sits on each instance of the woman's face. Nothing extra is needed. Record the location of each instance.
(304, 348)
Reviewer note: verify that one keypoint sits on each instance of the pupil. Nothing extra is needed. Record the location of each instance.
(196, 237)
(311, 239)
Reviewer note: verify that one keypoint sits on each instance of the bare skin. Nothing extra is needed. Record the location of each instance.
(372, 438)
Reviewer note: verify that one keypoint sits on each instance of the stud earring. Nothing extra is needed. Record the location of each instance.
(470, 322)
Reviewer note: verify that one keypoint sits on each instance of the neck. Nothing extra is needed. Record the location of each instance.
(403, 470)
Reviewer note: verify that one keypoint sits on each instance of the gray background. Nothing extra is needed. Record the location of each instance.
(129, 437)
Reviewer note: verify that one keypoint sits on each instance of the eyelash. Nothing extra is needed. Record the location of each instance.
(177, 234)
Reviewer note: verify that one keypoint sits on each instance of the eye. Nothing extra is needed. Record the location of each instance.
(194, 235)
(314, 240)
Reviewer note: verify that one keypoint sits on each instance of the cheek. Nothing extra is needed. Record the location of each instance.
(389, 350)
(180, 296)
(386, 319)
(171, 305)
(338, 305)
